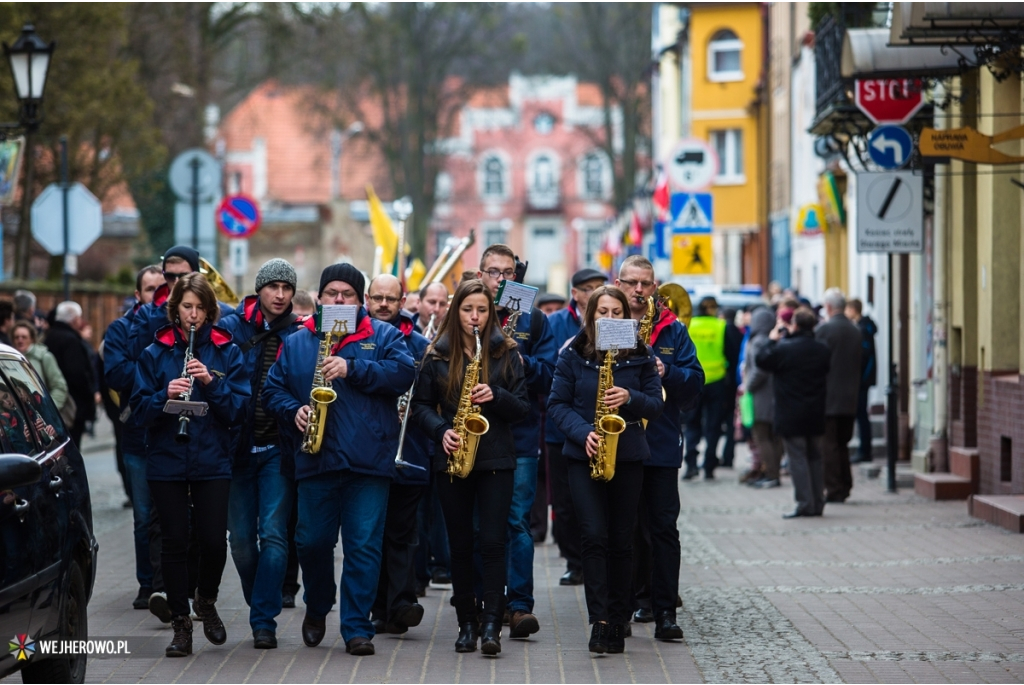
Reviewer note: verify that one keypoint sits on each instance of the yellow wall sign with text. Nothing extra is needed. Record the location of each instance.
(691, 254)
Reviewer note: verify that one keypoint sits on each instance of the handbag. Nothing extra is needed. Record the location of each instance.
(747, 410)
(68, 411)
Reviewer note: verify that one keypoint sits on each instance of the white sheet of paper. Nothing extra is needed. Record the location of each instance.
(517, 296)
(616, 334)
(344, 313)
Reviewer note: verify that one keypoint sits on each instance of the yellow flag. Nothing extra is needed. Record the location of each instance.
(451, 281)
(414, 275)
(384, 234)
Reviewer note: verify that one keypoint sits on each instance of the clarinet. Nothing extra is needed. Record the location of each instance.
(183, 437)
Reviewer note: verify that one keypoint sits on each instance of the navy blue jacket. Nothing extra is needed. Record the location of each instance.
(683, 382)
(246, 321)
(151, 317)
(539, 366)
(361, 434)
(565, 324)
(119, 372)
(418, 447)
(207, 456)
(574, 396)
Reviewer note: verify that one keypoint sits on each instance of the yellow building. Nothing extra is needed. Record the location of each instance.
(711, 86)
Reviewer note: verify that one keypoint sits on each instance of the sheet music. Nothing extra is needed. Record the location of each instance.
(616, 334)
(516, 296)
(329, 314)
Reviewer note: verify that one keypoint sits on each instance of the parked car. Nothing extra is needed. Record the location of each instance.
(47, 546)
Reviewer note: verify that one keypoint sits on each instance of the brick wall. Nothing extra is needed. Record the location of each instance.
(963, 407)
(999, 417)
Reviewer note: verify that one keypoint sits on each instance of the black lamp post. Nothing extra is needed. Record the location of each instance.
(29, 59)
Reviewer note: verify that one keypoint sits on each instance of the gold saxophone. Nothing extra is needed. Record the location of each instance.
(646, 328)
(468, 423)
(321, 394)
(607, 424)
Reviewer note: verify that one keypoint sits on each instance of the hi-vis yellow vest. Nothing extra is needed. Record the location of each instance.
(708, 336)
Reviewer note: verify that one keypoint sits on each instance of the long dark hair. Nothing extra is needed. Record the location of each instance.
(586, 341)
(451, 331)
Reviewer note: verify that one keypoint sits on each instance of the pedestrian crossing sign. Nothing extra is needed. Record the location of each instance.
(691, 254)
(691, 212)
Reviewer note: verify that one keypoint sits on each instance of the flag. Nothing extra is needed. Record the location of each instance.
(384, 234)
(634, 234)
(661, 196)
(414, 275)
(452, 278)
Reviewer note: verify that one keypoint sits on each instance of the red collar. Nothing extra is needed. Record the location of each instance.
(406, 326)
(251, 310)
(160, 295)
(665, 320)
(364, 329)
(573, 312)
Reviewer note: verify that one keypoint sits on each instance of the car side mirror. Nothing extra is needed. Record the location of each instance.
(17, 470)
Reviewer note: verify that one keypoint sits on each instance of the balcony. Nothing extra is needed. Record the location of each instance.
(543, 200)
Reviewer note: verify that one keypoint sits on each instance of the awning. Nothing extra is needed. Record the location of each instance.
(867, 54)
(945, 23)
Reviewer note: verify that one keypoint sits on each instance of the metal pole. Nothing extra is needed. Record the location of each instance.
(64, 189)
(892, 394)
(195, 164)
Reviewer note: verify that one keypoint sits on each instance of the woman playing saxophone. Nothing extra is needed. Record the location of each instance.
(605, 506)
(470, 341)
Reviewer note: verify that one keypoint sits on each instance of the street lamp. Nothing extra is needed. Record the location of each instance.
(29, 59)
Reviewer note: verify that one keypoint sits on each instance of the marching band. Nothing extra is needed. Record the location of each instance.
(245, 422)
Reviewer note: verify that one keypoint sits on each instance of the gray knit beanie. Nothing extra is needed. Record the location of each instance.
(276, 270)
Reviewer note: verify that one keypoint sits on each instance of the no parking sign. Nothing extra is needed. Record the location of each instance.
(238, 216)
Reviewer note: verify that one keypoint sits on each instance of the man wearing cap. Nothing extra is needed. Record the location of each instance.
(345, 485)
(260, 492)
(549, 303)
(565, 324)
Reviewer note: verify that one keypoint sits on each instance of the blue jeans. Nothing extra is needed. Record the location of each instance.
(520, 537)
(142, 512)
(356, 504)
(258, 510)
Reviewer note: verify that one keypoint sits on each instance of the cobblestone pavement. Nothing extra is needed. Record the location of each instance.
(887, 588)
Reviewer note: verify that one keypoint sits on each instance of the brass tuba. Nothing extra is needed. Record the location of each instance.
(677, 299)
(469, 423)
(607, 424)
(321, 394)
(220, 287)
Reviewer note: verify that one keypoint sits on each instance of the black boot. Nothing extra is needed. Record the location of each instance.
(181, 643)
(469, 633)
(665, 628)
(599, 638)
(490, 638)
(617, 639)
(213, 627)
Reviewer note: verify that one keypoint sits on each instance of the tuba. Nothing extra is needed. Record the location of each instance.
(469, 423)
(607, 424)
(220, 287)
(321, 394)
(678, 301)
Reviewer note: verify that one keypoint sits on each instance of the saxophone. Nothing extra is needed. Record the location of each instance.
(646, 328)
(468, 423)
(321, 394)
(607, 424)
(509, 328)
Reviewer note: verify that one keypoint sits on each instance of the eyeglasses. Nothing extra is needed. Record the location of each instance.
(171, 276)
(507, 274)
(632, 284)
(377, 299)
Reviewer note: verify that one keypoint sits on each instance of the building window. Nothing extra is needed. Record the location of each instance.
(443, 186)
(493, 234)
(544, 123)
(543, 174)
(593, 240)
(493, 177)
(729, 146)
(592, 169)
(724, 57)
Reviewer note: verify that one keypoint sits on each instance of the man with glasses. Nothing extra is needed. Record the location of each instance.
(395, 609)
(538, 351)
(565, 324)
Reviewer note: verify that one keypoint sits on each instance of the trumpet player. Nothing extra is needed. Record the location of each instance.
(606, 509)
(261, 481)
(193, 359)
(433, 306)
(395, 608)
(470, 342)
(344, 484)
(656, 548)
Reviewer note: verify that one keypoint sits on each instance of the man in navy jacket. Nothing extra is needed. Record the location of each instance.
(396, 610)
(345, 485)
(261, 495)
(538, 352)
(119, 372)
(657, 566)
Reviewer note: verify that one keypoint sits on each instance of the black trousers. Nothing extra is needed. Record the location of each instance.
(291, 571)
(606, 511)
(490, 493)
(539, 511)
(566, 528)
(706, 421)
(864, 424)
(656, 549)
(729, 425)
(210, 502)
(397, 584)
(836, 453)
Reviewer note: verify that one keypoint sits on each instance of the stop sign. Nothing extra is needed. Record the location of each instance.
(889, 100)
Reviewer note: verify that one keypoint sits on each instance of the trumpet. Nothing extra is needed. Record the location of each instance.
(431, 330)
(183, 437)
(403, 415)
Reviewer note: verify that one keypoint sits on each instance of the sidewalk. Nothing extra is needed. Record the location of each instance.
(884, 587)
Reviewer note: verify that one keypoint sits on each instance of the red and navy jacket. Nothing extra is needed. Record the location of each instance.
(417, 448)
(246, 321)
(565, 325)
(361, 434)
(683, 382)
(119, 373)
(537, 346)
(151, 317)
(207, 456)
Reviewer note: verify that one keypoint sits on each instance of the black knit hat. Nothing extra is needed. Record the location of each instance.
(345, 273)
(186, 253)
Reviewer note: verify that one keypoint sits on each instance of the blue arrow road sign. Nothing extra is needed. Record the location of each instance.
(890, 146)
(691, 212)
